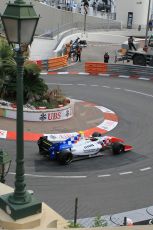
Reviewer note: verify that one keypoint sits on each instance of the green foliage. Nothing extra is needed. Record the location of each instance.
(99, 222)
(35, 90)
(77, 225)
(33, 84)
(44, 104)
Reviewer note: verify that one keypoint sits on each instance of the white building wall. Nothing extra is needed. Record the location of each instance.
(139, 9)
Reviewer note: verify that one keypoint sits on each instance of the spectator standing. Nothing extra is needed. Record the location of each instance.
(106, 57)
(131, 44)
(68, 49)
(78, 53)
(94, 6)
(150, 25)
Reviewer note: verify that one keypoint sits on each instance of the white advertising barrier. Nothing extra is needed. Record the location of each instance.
(57, 114)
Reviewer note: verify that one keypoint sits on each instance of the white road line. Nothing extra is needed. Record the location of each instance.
(105, 86)
(105, 175)
(82, 84)
(104, 74)
(58, 84)
(117, 88)
(43, 73)
(123, 76)
(133, 91)
(125, 173)
(62, 73)
(93, 85)
(83, 73)
(45, 176)
(145, 169)
(143, 78)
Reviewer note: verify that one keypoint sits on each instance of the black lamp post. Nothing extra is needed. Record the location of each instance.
(5, 162)
(19, 21)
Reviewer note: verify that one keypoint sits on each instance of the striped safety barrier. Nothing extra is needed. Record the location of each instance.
(95, 67)
(57, 62)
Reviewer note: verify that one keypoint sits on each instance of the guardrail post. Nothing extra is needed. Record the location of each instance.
(75, 211)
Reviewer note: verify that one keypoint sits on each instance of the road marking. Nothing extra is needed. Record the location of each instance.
(45, 176)
(105, 86)
(104, 74)
(63, 73)
(133, 91)
(145, 169)
(123, 76)
(83, 73)
(117, 88)
(143, 78)
(125, 173)
(59, 84)
(44, 73)
(93, 85)
(82, 84)
(105, 175)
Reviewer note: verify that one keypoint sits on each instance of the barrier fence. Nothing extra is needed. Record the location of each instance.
(118, 69)
(53, 63)
(99, 67)
(95, 67)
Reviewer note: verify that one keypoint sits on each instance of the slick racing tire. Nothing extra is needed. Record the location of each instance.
(65, 157)
(96, 134)
(139, 59)
(117, 148)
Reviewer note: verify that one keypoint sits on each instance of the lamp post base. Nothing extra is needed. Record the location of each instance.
(18, 211)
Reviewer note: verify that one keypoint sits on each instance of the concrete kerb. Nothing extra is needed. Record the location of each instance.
(110, 122)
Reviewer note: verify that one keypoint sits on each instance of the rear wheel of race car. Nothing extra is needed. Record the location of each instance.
(117, 148)
(41, 150)
(40, 145)
(65, 157)
(96, 134)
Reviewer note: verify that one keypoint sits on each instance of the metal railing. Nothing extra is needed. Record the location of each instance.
(130, 70)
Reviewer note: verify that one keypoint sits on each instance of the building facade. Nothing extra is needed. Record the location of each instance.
(133, 13)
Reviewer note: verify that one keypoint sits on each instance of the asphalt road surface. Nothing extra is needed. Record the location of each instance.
(105, 185)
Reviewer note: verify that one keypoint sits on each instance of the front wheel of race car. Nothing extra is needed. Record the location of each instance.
(117, 148)
(96, 134)
(65, 157)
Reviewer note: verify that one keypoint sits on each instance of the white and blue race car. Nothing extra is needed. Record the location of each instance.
(78, 147)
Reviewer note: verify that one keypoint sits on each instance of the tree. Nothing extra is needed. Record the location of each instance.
(7, 63)
(34, 86)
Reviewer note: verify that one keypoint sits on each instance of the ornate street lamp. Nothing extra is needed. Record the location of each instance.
(19, 21)
(5, 162)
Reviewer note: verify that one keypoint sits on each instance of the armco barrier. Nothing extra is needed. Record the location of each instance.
(43, 64)
(57, 62)
(130, 70)
(95, 67)
(119, 69)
